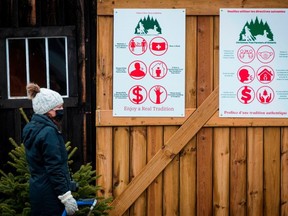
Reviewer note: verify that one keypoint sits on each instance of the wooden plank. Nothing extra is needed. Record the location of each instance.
(104, 139)
(216, 32)
(255, 172)
(238, 175)
(204, 136)
(171, 179)
(191, 64)
(104, 63)
(164, 156)
(104, 118)
(221, 172)
(138, 161)
(188, 172)
(195, 7)
(154, 191)
(284, 171)
(120, 160)
(272, 151)
(187, 190)
(204, 172)
(104, 160)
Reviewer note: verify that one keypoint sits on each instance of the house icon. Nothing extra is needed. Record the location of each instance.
(265, 75)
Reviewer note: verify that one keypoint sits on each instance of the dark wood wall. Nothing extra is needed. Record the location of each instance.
(18, 15)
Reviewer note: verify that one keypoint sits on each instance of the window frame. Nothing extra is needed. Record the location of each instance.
(59, 31)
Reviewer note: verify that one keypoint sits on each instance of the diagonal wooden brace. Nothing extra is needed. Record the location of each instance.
(165, 155)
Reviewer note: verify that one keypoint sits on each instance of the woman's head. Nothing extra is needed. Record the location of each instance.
(43, 99)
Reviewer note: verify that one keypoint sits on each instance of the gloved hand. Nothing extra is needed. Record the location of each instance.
(69, 203)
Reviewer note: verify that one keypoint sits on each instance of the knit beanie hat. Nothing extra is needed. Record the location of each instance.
(43, 99)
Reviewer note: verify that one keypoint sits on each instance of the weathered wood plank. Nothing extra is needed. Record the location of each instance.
(195, 7)
(171, 179)
(104, 160)
(187, 190)
(255, 172)
(104, 141)
(138, 161)
(205, 135)
(105, 118)
(155, 142)
(104, 64)
(188, 187)
(121, 160)
(284, 171)
(271, 172)
(238, 174)
(221, 155)
(216, 32)
(191, 63)
(164, 156)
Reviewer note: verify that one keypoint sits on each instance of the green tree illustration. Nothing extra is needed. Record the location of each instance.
(256, 28)
(148, 23)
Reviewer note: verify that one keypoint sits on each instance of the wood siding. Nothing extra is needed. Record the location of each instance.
(197, 165)
(37, 18)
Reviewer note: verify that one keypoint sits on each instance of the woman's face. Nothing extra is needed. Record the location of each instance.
(52, 112)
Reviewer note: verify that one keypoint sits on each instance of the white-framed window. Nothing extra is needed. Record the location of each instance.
(43, 55)
(43, 60)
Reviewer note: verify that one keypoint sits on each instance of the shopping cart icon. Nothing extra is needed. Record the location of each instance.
(84, 202)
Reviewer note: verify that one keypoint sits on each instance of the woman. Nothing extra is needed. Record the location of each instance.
(46, 154)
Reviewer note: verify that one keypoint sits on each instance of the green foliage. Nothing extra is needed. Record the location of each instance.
(14, 186)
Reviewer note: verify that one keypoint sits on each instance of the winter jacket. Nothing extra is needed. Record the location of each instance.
(47, 159)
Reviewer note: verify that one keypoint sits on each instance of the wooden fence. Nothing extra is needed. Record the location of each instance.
(197, 165)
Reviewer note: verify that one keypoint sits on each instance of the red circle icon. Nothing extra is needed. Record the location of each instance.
(158, 46)
(137, 94)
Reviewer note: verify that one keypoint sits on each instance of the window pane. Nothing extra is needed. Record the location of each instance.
(37, 61)
(57, 65)
(17, 67)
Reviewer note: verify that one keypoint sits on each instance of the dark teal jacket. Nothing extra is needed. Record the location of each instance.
(47, 159)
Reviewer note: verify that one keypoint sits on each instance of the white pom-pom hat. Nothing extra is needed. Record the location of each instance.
(45, 100)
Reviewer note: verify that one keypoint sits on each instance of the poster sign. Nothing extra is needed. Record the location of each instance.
(253, 63)
(149, 62)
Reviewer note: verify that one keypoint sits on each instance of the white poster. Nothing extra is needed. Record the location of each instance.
(149, 62)
(253, 63)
